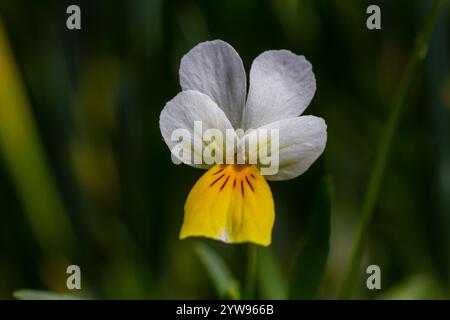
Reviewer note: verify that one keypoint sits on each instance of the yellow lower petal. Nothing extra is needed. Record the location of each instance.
(231, 203)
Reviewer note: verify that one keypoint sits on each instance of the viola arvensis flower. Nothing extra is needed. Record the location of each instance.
(232, 202)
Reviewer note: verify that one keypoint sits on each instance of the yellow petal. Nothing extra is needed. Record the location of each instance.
(231, 203)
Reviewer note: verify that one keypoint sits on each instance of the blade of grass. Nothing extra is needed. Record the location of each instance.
(311, 261)
(272, 282)
(382, 155)
(249, 291)
(24, 157)
(29, 294)
(224, 282)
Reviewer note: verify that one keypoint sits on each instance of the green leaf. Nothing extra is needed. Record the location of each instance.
(224, 282)
(312, 258)
(272, 282)
(29, 294)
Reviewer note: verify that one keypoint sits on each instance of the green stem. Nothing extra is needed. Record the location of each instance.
(384, 148)
(249, 292)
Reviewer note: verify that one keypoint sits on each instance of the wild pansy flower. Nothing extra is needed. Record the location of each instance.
(232, 202)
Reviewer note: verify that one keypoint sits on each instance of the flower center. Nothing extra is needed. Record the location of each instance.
(240, 176)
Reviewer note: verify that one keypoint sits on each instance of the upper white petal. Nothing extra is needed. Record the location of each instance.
(215, 69)
(182, 111)
(282, 85)
(301, 141)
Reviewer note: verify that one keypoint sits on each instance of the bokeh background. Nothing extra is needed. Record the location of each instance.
(86, 179)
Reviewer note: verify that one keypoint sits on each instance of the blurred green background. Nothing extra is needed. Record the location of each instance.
(86, 179)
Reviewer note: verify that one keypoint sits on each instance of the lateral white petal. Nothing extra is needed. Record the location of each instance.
(215, 69)
(282, 85)
(181, 113)
(301, 141)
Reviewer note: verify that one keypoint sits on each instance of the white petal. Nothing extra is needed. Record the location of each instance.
(282, 85)
(301, 141)
(215, 69)
(182, 112)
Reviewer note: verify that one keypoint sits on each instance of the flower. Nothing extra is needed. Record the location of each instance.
(233, 202)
